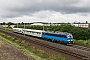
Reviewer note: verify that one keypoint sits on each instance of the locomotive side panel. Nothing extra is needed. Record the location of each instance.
(58, 37)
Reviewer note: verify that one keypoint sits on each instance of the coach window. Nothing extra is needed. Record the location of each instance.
(28, 31)
(39, 33)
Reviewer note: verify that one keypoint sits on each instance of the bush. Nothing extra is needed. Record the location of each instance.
(2, 34)
(17, 41)
(8, 37)
(12, 39)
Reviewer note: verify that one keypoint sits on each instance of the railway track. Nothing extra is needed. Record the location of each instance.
(61, 50)
(81, 47)
(65, 50)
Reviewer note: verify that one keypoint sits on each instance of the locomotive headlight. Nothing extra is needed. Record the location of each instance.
(68, 40)
(71, 40)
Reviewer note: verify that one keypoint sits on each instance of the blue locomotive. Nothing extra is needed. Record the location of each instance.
(62, 37)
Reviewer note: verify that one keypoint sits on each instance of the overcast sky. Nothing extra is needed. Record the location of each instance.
(45, 11)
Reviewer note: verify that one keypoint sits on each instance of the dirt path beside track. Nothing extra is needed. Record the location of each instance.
(9, 52)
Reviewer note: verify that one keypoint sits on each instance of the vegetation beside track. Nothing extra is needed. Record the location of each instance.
(84, 42)
(30, 50)
(6, 28)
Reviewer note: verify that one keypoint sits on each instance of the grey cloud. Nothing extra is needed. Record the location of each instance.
(28, 7)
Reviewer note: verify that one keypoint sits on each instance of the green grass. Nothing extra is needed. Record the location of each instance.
(22, 48)
(35, 53)
(6, 28)
(85, 42)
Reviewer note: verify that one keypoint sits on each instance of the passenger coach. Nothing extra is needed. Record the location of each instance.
(37, 33)
(17, 30)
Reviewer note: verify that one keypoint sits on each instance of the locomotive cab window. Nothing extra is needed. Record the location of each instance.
(70, 36)
(64, 36)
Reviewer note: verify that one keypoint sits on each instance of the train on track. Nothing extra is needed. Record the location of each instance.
(62, 37)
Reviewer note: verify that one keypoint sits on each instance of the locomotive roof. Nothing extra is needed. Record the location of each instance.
(61, 33)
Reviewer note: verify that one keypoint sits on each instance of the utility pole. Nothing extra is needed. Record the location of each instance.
(43, 27)
(24, 29)
(17, 25)
(5, 26)
(48, 17)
